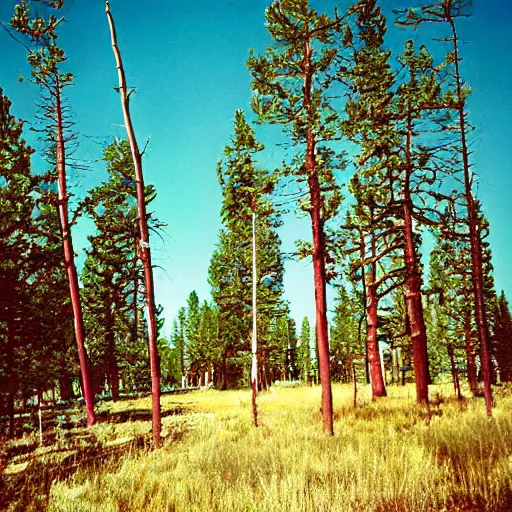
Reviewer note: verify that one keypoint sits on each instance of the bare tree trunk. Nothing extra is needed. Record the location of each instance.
(144, 248)
(254, 347)
(377, 380)
(477, 273)
(321, 300)
(372, 343)
(69, 260)
(413, 287)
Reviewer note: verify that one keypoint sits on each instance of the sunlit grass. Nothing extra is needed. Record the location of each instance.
(389, 455)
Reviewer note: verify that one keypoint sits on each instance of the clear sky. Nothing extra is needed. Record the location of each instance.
(187, 62)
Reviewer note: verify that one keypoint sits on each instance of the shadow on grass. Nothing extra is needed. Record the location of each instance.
(459, 503)
(29, 488)
(136, 415)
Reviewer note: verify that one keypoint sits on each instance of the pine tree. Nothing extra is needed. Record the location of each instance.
(250, 230)
(346, 343)
(46, 59)
(112, 265)
(16, 207)
(305, 350)
(447, 11)
(386, 114)
(192, 334)
(291, 87)
(503, 338)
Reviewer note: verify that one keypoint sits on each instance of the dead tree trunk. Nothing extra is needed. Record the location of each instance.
(254, 343)
(144, 248)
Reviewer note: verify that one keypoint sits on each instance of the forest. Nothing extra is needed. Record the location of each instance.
(396, 393)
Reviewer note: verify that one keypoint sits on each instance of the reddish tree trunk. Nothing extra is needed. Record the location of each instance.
(321, 305)
(414, 305)
(477, 274)
(69, 261)
(372, 343)
(377, 379)
(144, 248)
(322, 334)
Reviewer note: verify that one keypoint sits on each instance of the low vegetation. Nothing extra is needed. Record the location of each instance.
(388, 455)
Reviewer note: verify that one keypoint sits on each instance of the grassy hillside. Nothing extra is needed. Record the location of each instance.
(390, 455)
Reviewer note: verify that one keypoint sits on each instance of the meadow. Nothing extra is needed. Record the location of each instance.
(389, 455)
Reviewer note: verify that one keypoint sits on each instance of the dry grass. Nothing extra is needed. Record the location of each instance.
(385, 456)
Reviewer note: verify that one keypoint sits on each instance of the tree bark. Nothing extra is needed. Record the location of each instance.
(372, 320)
(414, 305)
(321, 301)
(69, 260)
(144, 248)
(377, 379)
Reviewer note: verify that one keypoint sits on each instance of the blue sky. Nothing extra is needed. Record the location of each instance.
(187, 62)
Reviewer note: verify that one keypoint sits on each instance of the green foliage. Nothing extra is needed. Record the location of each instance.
(347, 342)
(502, 341)
(35, 327)
(304, 361)
(294, 83)
(46, 56)
(246, 190)
(113, 274)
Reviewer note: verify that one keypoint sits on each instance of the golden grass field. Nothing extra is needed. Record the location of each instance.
(388, 455)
